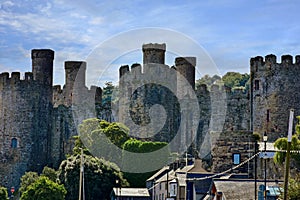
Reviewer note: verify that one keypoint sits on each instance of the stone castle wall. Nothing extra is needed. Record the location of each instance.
(274, 91)
(38, 119)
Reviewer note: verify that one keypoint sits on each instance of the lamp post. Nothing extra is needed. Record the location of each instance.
(255, 171)
(265, 138)
(117, 189)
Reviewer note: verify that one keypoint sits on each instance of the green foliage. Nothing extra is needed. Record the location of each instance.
(256, 136)
(281, 144)
(235, 79)
(138, 180)
(293, 188)
(230, 79)
(207, 80)
(3, 193)
(45, 189)
(92, 130)
(78, 146)
(99, 177)
(49, 173)
(118, 133)
(137, 146)
(27, 179)
(108, 94)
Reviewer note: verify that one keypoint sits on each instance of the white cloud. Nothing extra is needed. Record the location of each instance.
(96, 20)
(78, 16)
(6, 5)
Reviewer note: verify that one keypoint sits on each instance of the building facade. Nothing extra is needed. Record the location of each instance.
(37, 118)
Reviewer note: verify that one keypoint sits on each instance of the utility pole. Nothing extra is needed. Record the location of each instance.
(255, 170)
(80, 175)
(287, 160)
(265, 139)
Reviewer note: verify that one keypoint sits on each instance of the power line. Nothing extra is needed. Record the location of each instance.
(224, 172)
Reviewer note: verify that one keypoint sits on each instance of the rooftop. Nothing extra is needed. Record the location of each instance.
(131, 192)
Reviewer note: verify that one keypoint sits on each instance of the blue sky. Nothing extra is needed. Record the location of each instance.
(229, 32)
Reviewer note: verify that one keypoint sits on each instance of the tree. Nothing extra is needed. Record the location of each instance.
(138, 146)
(281, 144)
(27, 179)
(107, 94)
(3, 193)
(207, 80)
(99, 177)
(44, 188)
(100, 135)
(293, 189)
(50, 173)
(235, 79)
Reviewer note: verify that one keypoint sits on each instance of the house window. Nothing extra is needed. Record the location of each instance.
(14, 143)
(236, 158)
(256, 85)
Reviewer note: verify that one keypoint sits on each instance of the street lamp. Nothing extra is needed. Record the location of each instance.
(117, 189)
(265, 139)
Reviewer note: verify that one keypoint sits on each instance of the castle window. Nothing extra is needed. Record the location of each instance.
(236, 158)
(14, 143)
(268, 115)
(256, 85)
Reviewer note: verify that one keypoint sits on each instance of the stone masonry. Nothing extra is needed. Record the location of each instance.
(37, 118)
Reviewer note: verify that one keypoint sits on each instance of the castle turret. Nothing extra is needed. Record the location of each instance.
(123, 70)
(42, 65)
(75, 80)
(42, 69)
(154, 53)
(75, 71)
(272, 85)
(186, 67)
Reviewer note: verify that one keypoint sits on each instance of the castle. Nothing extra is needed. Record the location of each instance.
(37, 121)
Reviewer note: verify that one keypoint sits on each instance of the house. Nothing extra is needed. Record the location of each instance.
(130, 194)
(182, 183)
(242, 189)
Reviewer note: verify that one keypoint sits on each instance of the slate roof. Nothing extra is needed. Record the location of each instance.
(242, 189)
(131, 192)
(157, 174)
(235, 189)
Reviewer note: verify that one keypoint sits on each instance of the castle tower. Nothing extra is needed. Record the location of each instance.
(75, 79)
(154, 53)
(42, 66)
(42, 69)
(75, 71)
(186, 67)
(274, 91)
(123, 70)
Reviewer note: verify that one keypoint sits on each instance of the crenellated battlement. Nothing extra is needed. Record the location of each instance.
(154, 67)
(259, 63)
(151, 46)
(14, 78)
(154, 53)
(42, 53)
(123, 70)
